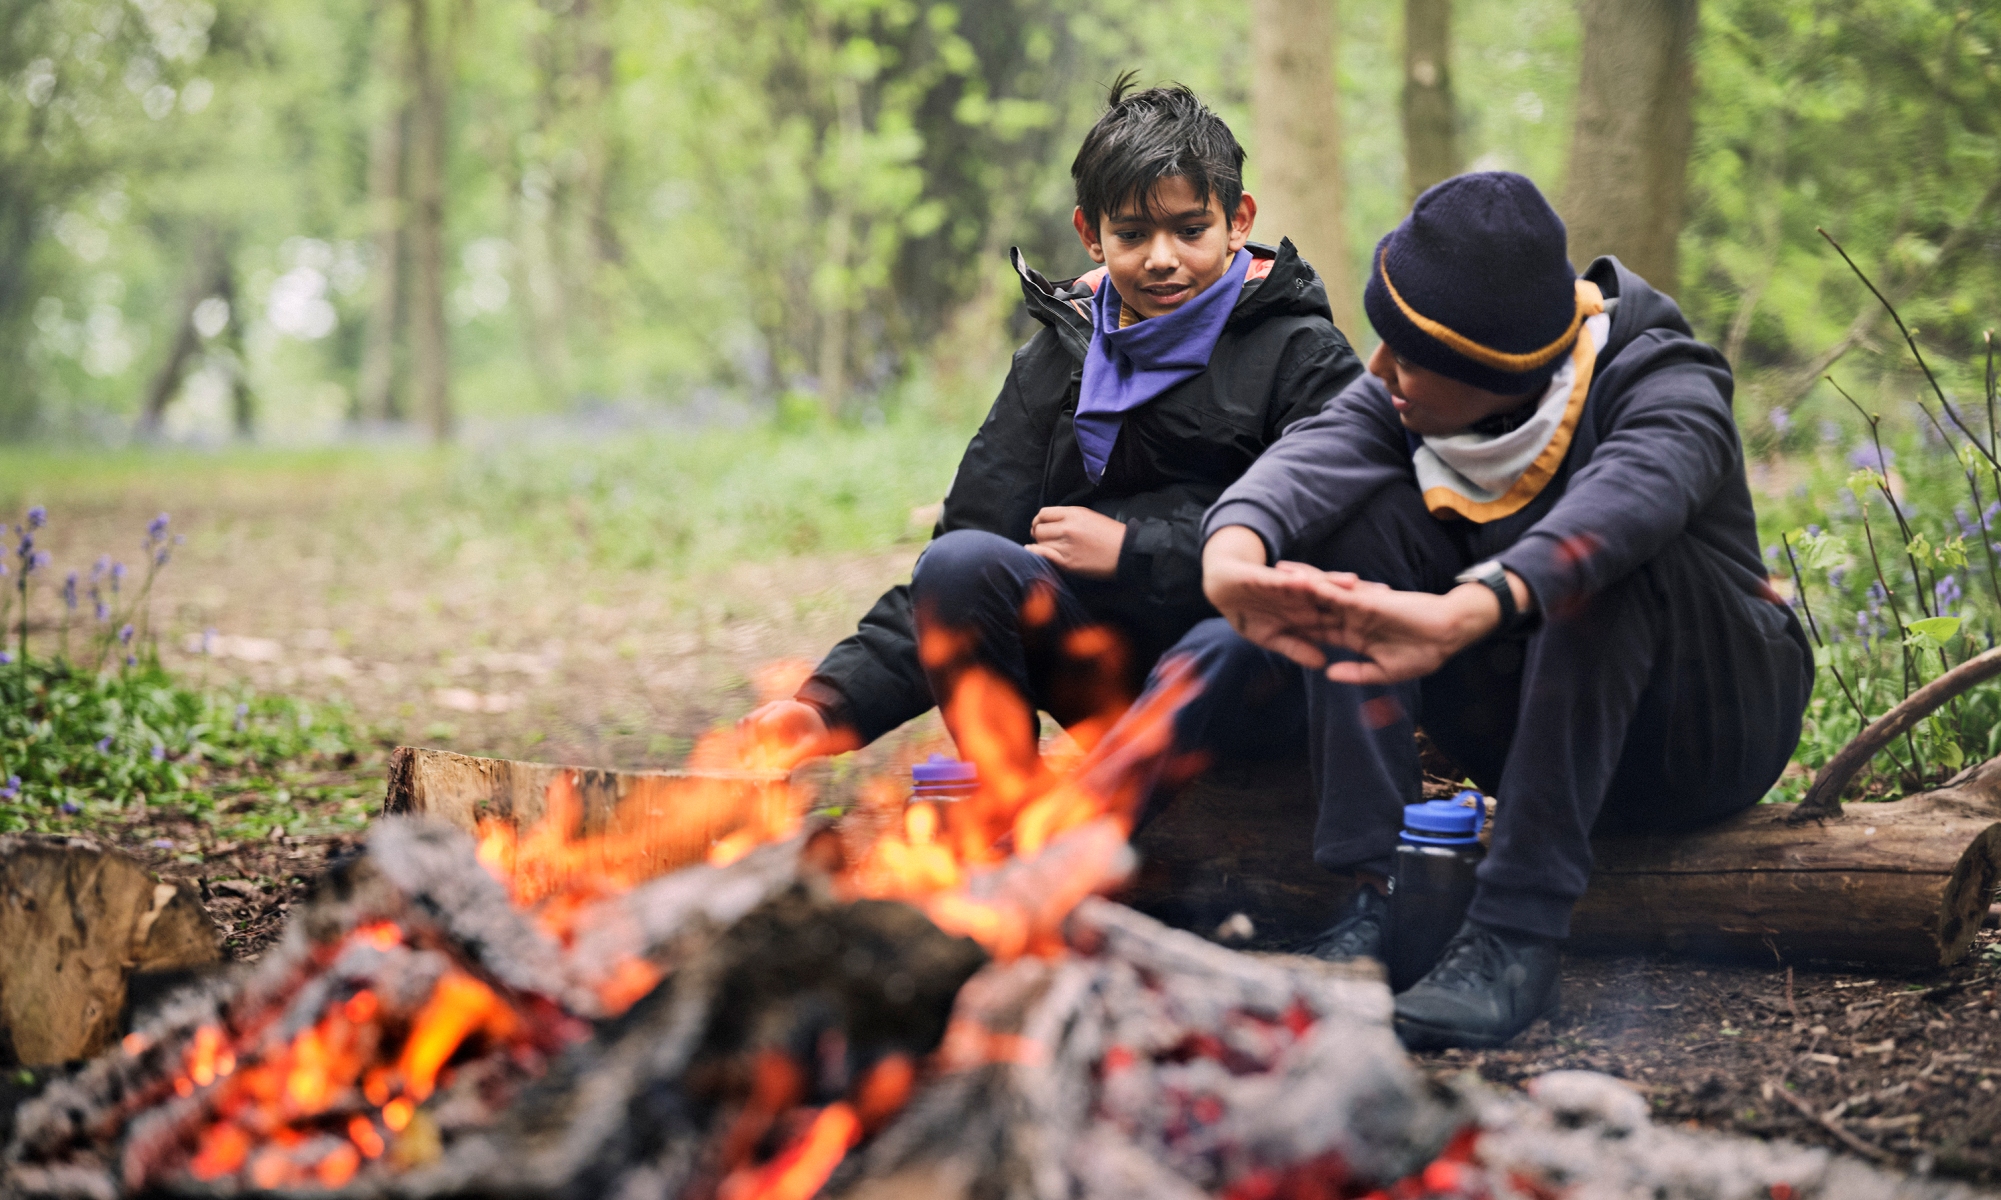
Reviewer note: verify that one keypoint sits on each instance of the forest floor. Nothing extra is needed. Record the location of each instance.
(434, 633)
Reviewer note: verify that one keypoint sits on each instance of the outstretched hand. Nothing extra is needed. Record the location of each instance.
(784, 733)
(1297, 610)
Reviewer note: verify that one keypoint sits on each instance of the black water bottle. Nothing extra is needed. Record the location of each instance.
(1432, 882)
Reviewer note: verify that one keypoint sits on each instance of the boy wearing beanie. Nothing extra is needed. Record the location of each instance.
(1067, 556)
(1528, 529)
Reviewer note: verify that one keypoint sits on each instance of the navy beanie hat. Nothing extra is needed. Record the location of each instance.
(1476, 284)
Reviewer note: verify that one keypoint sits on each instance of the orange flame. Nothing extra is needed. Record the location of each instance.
(799, 1172)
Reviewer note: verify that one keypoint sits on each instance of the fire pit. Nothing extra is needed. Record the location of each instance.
(697, 993)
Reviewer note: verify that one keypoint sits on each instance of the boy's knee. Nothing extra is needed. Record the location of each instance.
(968, 565)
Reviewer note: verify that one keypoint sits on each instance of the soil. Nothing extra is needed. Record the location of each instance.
(1904, 1070)
(465, 644)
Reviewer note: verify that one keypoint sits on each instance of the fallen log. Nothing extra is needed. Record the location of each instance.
(1900, 883)
(79, 922)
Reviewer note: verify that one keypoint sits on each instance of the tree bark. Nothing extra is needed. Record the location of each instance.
(430, 353)
(1430, 130)
(1296, 117)
(77, 921)
(376, 396)
(1628, 180)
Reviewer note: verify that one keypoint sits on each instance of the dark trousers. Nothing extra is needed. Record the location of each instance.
(1667, 701)
(1060, 642)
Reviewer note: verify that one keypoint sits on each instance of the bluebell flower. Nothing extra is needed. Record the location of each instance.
(5, 658)
(156, 527)
(125, 634)
(104, 744)
(13, 788)
(117, 576)
(70, 808)
(37, 517)
(103, 610)
(159, 753)
(1967, 529)
(1837, 576)
(1781, 419)
(1813, 531)
(42, 559)
(1866, 456)
(99, 569)
(1948, 594)
(131, 660)
(69, 592)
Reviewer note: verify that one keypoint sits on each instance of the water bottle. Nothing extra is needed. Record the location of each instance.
(1432, 882)
(942, 780)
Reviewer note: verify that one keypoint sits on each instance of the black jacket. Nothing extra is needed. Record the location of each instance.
(1656, 456)
(1278, 359)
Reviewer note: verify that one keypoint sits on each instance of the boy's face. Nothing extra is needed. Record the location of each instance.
(1162, 256)
(1434, 405)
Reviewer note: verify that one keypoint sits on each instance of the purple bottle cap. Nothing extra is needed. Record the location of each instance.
(939, 773)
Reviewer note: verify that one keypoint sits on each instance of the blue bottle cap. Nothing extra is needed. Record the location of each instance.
(1454, 822)
(941, 772)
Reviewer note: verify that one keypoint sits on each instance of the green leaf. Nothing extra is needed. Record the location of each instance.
(1952, 553)
(1932, 633)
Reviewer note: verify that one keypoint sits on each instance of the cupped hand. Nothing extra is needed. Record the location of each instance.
(1078, 540)
(784, 733)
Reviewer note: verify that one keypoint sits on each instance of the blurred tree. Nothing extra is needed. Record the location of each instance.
(1430, 126)
(376, 395)
(1628, 176)
(1878, 119)
(1295, 109)
(429, 62)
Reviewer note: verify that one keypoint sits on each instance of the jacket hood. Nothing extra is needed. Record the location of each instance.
(1290, 287)
(1635, 304)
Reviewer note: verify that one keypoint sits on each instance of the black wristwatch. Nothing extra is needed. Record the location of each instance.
(1495, 577)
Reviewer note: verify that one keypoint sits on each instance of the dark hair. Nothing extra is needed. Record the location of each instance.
(1153, 135)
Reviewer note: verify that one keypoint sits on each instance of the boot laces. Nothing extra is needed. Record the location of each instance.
(1472, 958)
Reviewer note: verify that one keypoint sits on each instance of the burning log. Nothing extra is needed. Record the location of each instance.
(79, 922)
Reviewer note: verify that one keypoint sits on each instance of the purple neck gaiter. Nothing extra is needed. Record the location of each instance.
(1125, 368)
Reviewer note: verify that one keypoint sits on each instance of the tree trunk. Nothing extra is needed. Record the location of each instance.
(77, 921)
(1296, 117)
(1430, 130)
(207, 274)
(376, 398)
(429, 68)
(1629, 151)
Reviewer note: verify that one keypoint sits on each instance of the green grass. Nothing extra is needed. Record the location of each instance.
(80, 748)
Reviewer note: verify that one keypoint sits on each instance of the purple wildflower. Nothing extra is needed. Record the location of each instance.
(156, 527)
(161, 843)
(37, 517)
(125, 634)
(1781, 419)
(117, 576)
(1836, 576)
(1866, 457)
(5, 658)
(70, 808)
(1948, 594)
(69, 592)
(104, 744)
(13, 788)
(159, 753)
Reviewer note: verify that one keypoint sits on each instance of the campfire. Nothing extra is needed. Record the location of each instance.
(710, 995)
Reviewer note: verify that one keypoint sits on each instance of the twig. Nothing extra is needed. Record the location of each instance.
(1823, 799)
(1793, 1008)
(1799, 588)
(1828, 1123)
(1912, 342)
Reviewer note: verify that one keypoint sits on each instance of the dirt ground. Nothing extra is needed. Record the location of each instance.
(439, 638)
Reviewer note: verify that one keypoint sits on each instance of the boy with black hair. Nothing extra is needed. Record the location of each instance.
(1154, 382)
(1529, 527)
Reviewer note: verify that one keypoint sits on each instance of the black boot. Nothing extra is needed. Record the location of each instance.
(1488, 986)
(1359, 932)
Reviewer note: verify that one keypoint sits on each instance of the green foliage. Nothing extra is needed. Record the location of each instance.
(78, 746)
(702, 501)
